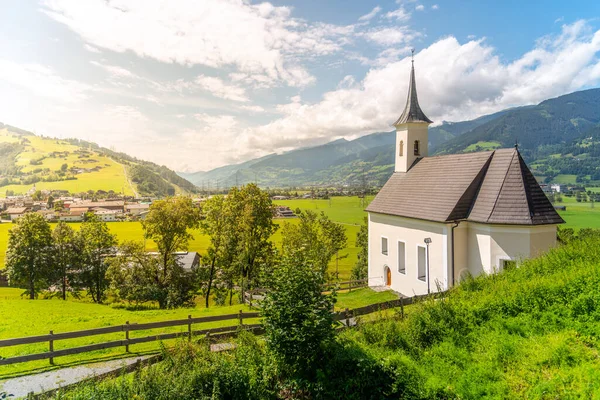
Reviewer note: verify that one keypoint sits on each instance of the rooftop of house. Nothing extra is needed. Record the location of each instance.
(493, 187)
(16, 210)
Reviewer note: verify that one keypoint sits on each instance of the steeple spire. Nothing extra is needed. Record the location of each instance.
(412, 111)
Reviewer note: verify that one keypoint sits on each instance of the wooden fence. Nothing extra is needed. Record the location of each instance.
(346, 317)
(254, 296)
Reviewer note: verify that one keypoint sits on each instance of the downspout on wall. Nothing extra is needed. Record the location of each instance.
(452, 260)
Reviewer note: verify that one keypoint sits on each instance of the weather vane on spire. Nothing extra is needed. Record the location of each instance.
(412, 55)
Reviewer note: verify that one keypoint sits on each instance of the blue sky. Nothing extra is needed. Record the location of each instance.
(213, 82)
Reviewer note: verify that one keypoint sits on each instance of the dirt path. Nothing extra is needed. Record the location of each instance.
(52, 380)
(131, 185)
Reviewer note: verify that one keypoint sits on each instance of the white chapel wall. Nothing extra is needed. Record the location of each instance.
(413, 233)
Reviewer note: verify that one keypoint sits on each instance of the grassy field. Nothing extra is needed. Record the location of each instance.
(565, 179)
(580, 215)
(526, 333)
(482, 146)
(111, 176)
(347, 210)
(21, 317)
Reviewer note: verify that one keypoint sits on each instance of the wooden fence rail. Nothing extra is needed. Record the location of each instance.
(214, 333)
(254, 296)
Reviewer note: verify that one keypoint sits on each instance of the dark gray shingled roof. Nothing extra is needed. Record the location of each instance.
(494, 187)
(412, 111)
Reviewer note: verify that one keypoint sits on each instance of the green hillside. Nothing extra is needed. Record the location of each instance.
(527, 333)
(78, 166)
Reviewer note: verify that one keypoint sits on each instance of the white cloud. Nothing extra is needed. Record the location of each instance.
(42, 81)
(254, 109)
(255, 39)
(435, 7)
(399, 14)
(390, 36)
(455, 82)
(370, 15)
(420, 7)
(218, 88)
(115, 71)
(91, 49)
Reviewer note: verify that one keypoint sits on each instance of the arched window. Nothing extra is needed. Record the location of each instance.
(401, 148)
(417, 150)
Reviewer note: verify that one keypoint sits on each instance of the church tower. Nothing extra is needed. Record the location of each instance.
(411, 129)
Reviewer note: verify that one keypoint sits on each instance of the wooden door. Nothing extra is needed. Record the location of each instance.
(388, 281)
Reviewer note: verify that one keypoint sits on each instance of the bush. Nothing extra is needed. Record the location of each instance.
(297, 317)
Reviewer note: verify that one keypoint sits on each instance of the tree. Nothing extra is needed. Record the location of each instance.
(64, 167)
(29, 253)
(59, 205)
(98, 247)
(253, 211)
(297, 315)
(360, 269)
(37, 195)
(218, 224)
(315, 239)
(137, 277)
(50, 202)
(168, 223)
(67, 257)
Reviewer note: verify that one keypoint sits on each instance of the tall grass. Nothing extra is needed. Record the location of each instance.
(531, 332)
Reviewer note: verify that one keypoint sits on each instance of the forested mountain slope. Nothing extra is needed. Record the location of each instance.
(557, 137)
(78, 166)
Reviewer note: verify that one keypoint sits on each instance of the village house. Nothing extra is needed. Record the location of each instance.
(118, 205)
(106, 215)
(441, 218)
(136, 209)
(15, 213)
(67, 217)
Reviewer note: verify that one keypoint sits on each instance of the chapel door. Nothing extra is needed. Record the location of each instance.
(388, 281)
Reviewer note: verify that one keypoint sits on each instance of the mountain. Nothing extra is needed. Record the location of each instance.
(78, 166)
(554, 121)
(559, 136)
(338, 162)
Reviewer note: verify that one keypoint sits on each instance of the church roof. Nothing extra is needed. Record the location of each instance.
(493, 187)
(412, 111)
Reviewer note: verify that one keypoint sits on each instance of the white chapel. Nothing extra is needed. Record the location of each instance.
(439, 218)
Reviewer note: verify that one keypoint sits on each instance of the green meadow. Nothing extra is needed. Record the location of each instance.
(111, 176)
(22, 317)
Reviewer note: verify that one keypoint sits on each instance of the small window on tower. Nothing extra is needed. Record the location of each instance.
(417, 150)
(401, 148)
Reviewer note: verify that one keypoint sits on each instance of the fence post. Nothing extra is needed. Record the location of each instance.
(189, 327)
(51, 347)
(208, 340)
(127, 336)
(402, 307)
(350, 286)
(347, 312)
(241, 317)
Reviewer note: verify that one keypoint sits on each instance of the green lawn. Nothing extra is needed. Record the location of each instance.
(347, 210)
(565, 179)
(22, 317)
(580, 215)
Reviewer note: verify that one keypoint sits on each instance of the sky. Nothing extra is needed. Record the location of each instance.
(197, 84)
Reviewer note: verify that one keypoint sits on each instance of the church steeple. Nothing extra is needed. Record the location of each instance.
(412, 136)
(412, 111)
